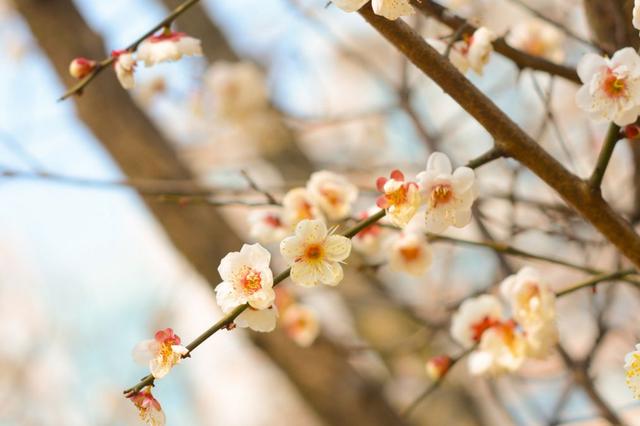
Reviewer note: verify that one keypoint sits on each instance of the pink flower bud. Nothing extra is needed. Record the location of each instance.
(81, 67)
(632, 132)
(438, 366)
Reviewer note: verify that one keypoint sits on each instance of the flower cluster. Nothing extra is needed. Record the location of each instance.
(167, 46)
(160, 353)
(473, 51)
(503, 344)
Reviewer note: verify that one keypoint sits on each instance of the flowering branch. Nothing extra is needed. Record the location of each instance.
(100, 66)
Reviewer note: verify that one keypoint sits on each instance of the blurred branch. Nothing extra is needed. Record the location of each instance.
(610, 276)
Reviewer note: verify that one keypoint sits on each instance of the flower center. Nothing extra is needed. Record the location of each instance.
(613, 85)
(332, 196)
(410, 253)
(250, 281)
(441, 194)
(481, 326)
(397, 197)
(273, 221)
(314, 252)
(305, 211)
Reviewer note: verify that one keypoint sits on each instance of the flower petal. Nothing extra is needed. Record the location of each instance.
(311, 231)
(304, 274)
(463, 179)
(291, 248)
(263, 320)
(439, 163)
(337, 248)
(258, 257)
(330, 273)
(145, 351)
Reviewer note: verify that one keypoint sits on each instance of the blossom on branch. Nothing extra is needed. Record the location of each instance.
(299, 205)
(301, 324)
(611, 87)
(473, 51)
(238, 88)
(502, 348)
(537, 38)
(167, 47)
(410, 253)
(390, 9)
(160, 353)
(125, 66)
(448, 195)
(148, 407)
(267, 225)
(632, 367)
(81, 67)
(474, 317)
(400, 199)
(438, 366)
(315, 254)
(333, 193)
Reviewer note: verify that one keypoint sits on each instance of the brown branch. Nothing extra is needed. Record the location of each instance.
(520, 58)
(510, 138)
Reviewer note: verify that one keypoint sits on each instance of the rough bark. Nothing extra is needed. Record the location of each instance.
(198, 232)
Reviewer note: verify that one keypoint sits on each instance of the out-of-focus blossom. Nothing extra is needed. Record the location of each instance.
(239, 88)
(479, 48)
(636, 14)
(449, 196)
(533, 305)
(611, 87)
(410, 253)
(168, 46)
(456, 56)
(632, 367)
(81, 67)
(160, 353)
(390, 9)
(149, 90)
(148, 407)
(537, 38)
(502, 349)
(400, 199)
(333, 193)
(372, 240)
(247, 278)
(474, 317)
(125, 66)
(299, 205)
(315, 254)
(301, 324)
(267, 225)
(438, 366)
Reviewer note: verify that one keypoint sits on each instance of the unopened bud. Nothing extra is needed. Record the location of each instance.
(81, 67)
(632, 132)
(438, 366)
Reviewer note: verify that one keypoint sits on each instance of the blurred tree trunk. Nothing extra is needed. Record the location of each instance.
(322, 374)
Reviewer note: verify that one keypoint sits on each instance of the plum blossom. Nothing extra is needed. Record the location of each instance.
(168, 46)
(148, 407)
(372, 240)
(636, 14)
(301, 324)
(632, 367)
(611, 87)
(81, 67)
(299, 205)
(474, 317)
(267, 225)
(473, 51)
(438, 366)
(456, 56)
(262, 320)
(333, 193)
(400, 199)
(410, 253)
(160, 353)
(238, 88)
(390, 9)
(533, 305)
(315, 254)
(537, 38)
(502, 349)
(449, 196)
(125, 66)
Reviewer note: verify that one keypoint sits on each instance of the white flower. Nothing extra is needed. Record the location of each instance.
(247, 278)
(262, 320)
(238, 88)
(314, 254)
(449, 196)
(168, 46)
(479, 48)
(372, 240)
(636, 14)
(611, 87)
(456, 56)
(400, 199)
(474, 317)
(537, 38)
(301, 324)
(267, 225)
(632, 367)
(125, 66)
(410, 253)
(390, 9)
(148, 407)
(160, 353)
(533, 305)
(299, 205)
(81, 67)
(502, 349)
(333, 193)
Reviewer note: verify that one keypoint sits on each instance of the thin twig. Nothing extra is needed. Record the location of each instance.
(609, 144)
